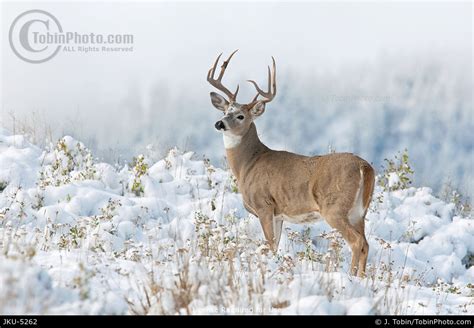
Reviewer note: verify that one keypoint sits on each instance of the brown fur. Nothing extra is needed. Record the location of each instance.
(276, 183)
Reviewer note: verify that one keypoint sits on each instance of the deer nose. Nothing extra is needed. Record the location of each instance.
(219, 125)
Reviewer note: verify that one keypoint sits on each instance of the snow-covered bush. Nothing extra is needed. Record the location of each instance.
(450, 194)
(69, 160)
(3, 185)
(397, 173)
(139, 169)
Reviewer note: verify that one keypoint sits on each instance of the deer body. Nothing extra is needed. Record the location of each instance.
(279, 186)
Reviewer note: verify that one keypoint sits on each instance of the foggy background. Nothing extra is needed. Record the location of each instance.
(369, 78)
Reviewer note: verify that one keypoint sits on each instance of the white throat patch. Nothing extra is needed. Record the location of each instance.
(231, 140)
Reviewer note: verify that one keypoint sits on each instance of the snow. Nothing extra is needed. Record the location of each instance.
(393, 179)
(75, 238)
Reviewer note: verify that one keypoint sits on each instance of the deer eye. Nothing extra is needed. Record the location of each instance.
(240, 117)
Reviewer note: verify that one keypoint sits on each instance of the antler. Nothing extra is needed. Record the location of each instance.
(270, 94)
(217, 83)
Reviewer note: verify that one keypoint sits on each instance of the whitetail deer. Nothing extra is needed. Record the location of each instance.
(279, 186)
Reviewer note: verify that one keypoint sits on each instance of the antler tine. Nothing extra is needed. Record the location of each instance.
(212, 71)
(274, 77)
(217, 83)
(260, 91)
(236, 92)
(270, 94)
(255, 98)
(225, 63)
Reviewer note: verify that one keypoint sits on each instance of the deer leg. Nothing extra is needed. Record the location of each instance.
(267, 223)
(360, 248)
(355, 240)
(277, 225)
(363, 257)
(364, 247)
(354, 244)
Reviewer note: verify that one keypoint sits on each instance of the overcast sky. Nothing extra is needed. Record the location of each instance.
(177, 42)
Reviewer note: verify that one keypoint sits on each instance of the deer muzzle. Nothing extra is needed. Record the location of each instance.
(220, 125)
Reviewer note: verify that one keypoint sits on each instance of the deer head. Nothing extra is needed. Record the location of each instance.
(238, 117)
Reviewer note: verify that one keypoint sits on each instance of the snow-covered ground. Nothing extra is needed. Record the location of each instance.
(172, 236)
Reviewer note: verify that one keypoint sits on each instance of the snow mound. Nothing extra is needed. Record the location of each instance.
(172, 236)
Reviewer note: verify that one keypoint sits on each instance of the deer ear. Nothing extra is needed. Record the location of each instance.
(219, 102)
(257, 109)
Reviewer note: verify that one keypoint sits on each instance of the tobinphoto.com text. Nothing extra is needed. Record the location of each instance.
(36, 36)
(91, 42)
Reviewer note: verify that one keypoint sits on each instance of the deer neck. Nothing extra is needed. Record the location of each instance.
(242, 156)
